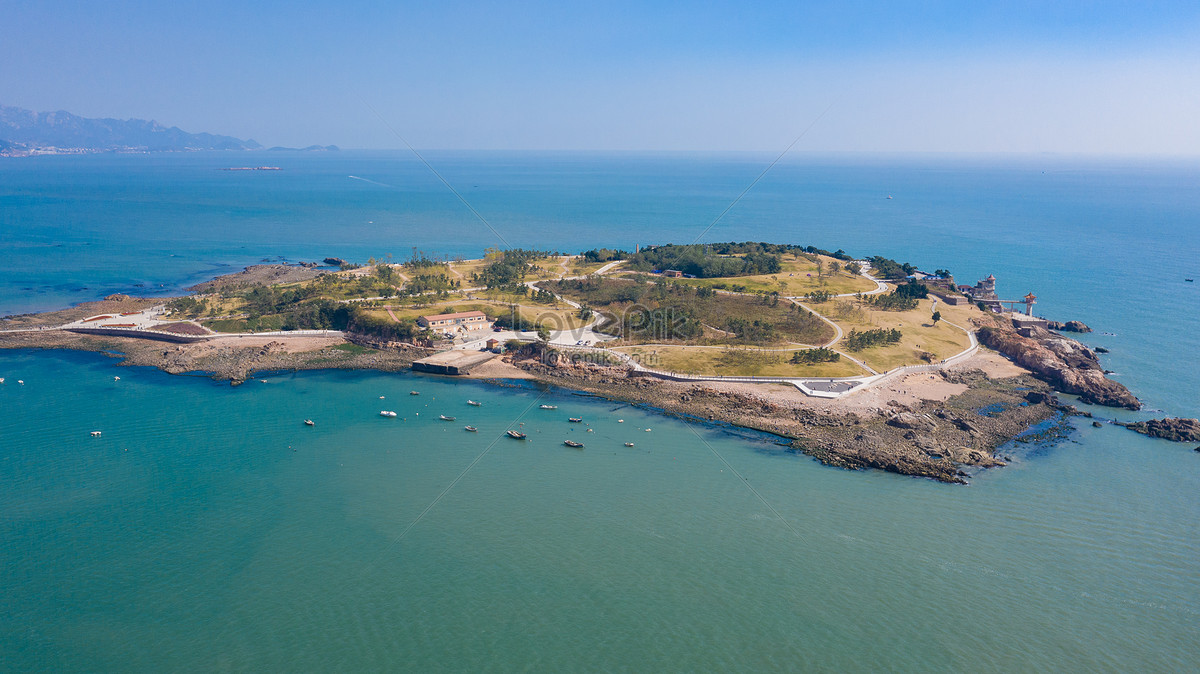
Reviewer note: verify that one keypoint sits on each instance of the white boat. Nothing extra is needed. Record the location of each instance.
(309, 422)
(629, 444)
(443, 417)
(387, 413)
(476, 404)
(116, 379)
(414, 393)
(95, 434)
(549, 407)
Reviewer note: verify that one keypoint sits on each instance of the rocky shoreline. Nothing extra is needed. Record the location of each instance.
(931, 438)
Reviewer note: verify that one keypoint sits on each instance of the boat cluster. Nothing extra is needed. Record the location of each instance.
(512, 433)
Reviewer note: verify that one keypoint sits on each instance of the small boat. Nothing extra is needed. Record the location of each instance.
(476, 404)
(629, 444)
(514, 434)
(549, 407)
(470, 429)
(1, 380)
(620, 421)
(387, 413)
(95, 434)
(443, 417)
(414, 393)
(21, 382)
(260, 380)
(572, 443)
(647, 430)
(381, 397)
(575, 420)
(116, 379)
(889, 196)
(309, 422)
(1186, 279)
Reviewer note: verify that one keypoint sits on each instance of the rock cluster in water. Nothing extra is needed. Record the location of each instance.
(1175, 430)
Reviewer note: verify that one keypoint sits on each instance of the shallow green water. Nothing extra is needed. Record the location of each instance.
(209, 529)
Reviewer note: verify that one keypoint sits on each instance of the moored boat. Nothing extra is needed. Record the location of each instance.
(386, 413)
(574, 420)
(572, 443)
(470, 429)
(549, 407)
(629, 444)
(309, 422)
(476, 404)
(514, 434)
(414, 393)
(443, 417)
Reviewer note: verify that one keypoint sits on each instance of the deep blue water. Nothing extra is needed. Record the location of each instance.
(210, 544)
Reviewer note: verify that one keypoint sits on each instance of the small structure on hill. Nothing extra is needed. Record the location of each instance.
(673, 273)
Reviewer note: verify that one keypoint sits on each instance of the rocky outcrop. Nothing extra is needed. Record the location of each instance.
(937, 440)
(334, 261)
(1069, 326)
(258, 274)
(1063, 363)
(1175, 430)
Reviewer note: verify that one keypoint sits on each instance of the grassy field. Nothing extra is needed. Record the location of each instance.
(736, 361)
(672, 312)
(547, 268)
(563, 317)
(798, 277)
(919, 333)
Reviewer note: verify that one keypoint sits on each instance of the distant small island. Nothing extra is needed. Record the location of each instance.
(858, 362)
(24, 133)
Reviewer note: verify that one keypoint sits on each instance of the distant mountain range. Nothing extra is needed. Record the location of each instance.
(24, 132)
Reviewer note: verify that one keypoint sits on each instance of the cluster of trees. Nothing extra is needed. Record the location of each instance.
(857, 341)
(544, 296)
(507, 269)
(364, 323)
(661, 323)
(888, 268)
(838, 254)
(912, 289)
(319, 315)
(819, 296)
(891, 302)
(820, 355)
(604, 255)
(420, 284)
(706, 261)
(420, 260)
(752, 331)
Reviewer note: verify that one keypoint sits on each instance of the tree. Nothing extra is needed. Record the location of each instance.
(543, 333)
(937, 316)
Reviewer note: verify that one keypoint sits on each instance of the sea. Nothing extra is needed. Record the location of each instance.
(208, 529)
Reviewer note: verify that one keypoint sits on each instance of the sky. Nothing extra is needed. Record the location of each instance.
(1067, 76)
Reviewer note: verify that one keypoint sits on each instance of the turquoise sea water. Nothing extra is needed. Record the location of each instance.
(208, 529)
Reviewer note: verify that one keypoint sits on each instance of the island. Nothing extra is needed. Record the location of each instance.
(858, 362)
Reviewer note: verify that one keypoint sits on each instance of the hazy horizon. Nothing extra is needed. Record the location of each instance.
(1078, 78)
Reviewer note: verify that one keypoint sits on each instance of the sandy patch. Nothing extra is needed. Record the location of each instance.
(498, 369)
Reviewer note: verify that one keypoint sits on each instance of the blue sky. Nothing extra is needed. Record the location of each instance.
(1071, 77)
